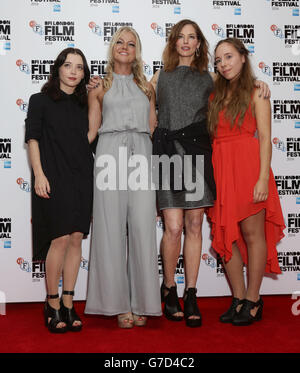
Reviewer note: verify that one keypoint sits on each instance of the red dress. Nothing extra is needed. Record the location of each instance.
(236, 163)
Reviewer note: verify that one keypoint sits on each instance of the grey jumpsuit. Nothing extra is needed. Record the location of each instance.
(123, 278)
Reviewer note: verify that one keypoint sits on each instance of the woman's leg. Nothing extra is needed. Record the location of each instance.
(71, 266)
(253, 230)
(192, 247)
(234, 271)
(54, 267)
(171, 245)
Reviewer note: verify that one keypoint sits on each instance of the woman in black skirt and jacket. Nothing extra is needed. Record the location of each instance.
(62, 176)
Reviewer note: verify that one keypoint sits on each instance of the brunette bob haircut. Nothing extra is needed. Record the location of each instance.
(52, 87)
(170, 55)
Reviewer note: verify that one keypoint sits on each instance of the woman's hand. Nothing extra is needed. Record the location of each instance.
(263, 87)
(42, 186)
(93, 83)
(261, 191)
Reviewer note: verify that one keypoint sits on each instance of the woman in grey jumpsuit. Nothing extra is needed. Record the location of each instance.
(123, 282)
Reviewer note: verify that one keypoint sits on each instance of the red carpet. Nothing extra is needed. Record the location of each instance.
(22, 331)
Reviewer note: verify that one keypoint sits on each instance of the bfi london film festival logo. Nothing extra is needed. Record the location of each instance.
(98, 67)
(107, 30)
(286, 110)
(289, 261)
(157, 65)
(55, 4)
(291, 147)
(55, 31)
(214, 263)
(291, 5)
(5, 232)
(179, 271)
(293, 224)
(290, 34)
(236, 6)
(162, 31)
(23, 184)
(5, 40)
(5, 152)
(175, 5)
(289, 185)
(243, 32)
(283, 72)
(38, 70)
(147, 69)
(38, 268)
(115, 4)
(23, 105)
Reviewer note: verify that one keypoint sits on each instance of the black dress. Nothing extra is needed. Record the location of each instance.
(61, 129)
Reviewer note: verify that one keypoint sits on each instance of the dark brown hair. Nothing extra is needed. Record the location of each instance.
(52, 87)
(170, 55)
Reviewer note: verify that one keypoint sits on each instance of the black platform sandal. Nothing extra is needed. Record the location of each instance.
(69, 315)
(191, 308)
(227, 317)
(54, 315)
(244, 317)
(172, 304)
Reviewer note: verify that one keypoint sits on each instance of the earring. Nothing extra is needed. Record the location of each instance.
(198, 52)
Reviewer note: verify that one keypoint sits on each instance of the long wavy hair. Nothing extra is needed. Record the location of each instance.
(170, 54)
(52, 87)
(137, 66)
(240, 99)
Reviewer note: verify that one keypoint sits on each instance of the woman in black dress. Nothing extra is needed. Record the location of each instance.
(62, 165)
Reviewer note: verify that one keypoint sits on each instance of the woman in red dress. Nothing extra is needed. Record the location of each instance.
(247, 220)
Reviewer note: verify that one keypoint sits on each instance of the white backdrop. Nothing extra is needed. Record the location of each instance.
(33, 32)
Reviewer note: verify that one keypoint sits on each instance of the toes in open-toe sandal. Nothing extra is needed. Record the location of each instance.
(70, 315)
(55, 317)
(125, 320)
(139, 320)
(172, 305)
(191, 308)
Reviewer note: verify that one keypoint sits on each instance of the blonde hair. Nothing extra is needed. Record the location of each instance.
(170, 54)
(137, 66)
(240, 99)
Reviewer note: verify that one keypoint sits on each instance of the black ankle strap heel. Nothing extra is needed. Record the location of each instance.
(228, 316)
(172, 305)
(191, 308)
(54, 315)
(244, 317)
(69, 314)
